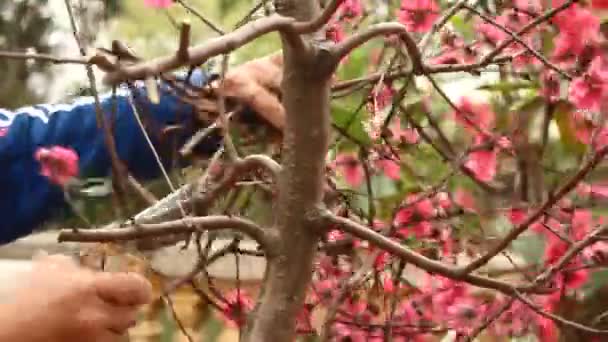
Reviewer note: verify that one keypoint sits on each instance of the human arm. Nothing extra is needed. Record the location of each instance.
(59, 301)
(28, 199)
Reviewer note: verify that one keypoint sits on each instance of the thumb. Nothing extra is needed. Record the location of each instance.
(123, 289)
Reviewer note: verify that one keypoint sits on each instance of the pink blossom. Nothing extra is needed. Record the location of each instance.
(357, 309)
(58, 164)
(575, 279)
(418, 15)
(577, 28)
(351, 8)
(407, 135)
(517, 216)
(464, 199)
(456, 55)
(504, 143)
(388, 285)
(550, 89)
(447, 242)
(390, 168)
(555, 249)
(404, 216)
(547, 329)
(472, 115)
(335, 32)
(381, 97)
(524, 59)
(350, 168)
(236, 307)
(419, 230)
(158, 3)
(335, 235)
(443, 199)
(483, 162)
(324, 290)
(581, 223)
(424, 207)
(381, 260)
(490, 33)
(533, 6)
(594, 190)
(462, 314)
(586, 91)
(598, 252)
(599, 4)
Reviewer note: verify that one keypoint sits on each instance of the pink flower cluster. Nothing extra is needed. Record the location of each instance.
(158, 3)
(58, 164)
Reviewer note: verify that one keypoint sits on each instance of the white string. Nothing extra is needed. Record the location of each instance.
(156, 156)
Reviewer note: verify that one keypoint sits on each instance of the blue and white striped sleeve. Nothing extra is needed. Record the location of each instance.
(27, 199)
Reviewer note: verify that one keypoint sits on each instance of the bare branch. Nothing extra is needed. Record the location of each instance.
(516, 38)
(152, 230)
(539, 20)
(318, 22)
(426, 39)
(44, 57)
(445, 68)
(199, 136)
(513, 234)
(184, 41)
(345, 47)
(196, 13)
(141, 190)
(417, 259)
(557, 318)
(200, 54)
(118, 168)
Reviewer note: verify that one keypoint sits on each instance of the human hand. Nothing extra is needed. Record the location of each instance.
(58, 301)
(255, 85)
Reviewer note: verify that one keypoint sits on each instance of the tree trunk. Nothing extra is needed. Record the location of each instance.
(306, 98)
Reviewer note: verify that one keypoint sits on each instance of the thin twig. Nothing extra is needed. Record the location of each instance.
(196, 13)
(118, 169)
(44, 57)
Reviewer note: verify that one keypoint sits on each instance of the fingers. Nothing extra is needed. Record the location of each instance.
(121, 318)
(123, 289)
(110, 336)
(267, 105)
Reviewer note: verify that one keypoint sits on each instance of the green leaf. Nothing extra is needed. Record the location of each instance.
(509, 86)
(383, 187)
(561, 115)
(531, 247)
(351, 122)
(548, 45)
(356, 65)
(463, 26)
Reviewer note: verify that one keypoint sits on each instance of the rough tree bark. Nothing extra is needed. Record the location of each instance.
(306, 98)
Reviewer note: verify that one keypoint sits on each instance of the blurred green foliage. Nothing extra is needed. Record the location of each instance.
(23, 25)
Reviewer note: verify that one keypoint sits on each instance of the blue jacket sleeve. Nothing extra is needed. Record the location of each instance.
(27, 199)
